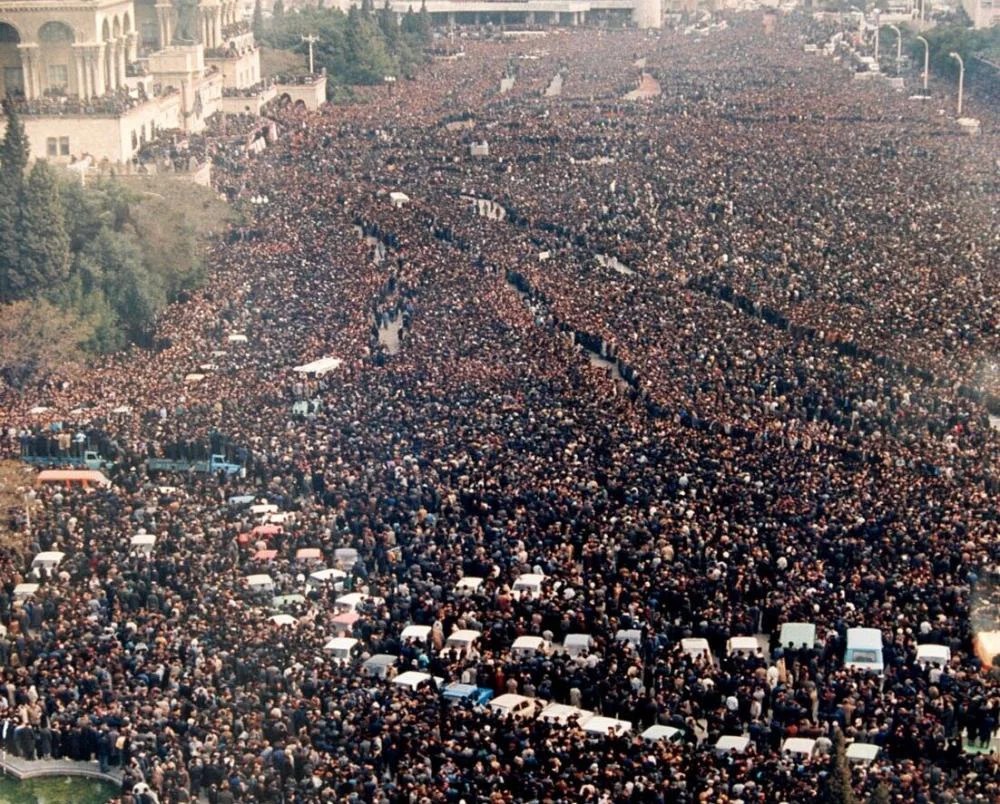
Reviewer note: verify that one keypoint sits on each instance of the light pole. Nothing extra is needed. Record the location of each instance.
(311, 39)
(961, 79)
(878, 27)
(927, 60)
(861, 24)
(899, 45)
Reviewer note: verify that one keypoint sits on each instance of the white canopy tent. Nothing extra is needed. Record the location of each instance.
(319, 367)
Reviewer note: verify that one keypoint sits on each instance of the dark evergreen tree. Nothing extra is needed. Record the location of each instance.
(425, 23)
(14, 150)
(836, 787)
(257, 25)
(9, 253)
(44, 243)
(389, 26)
(278, 9)
(367, 7)
(411, 25)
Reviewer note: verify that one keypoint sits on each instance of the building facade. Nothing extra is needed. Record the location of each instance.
(100, 78)
(983, 13)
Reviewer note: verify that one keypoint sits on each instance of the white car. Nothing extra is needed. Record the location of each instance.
(743, 645)
(939, 655)
(462, 640)
(520, 706)
(732, 743)
(418, 633)
(468, 585)
(530, 646)
(670, 734)
(563, 713)
(697, 648)
(527, 584)
(864, 650)
(341, 649)
(260, 583)
(607, 725)
(412, 679)
(576, 644)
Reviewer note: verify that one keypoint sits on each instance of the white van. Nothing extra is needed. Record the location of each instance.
(352, 600)
(732, 744)
(799, 746)
(412, 679)
(562, 713)
(462, 639)
(696, 647)
(670, 734)
(743, 646)
(260, 583)
(46, 563)
(576, 644)
(862, 753)
(143, 543)
(321, 578)
(605, 725)
(379, 664)
(797, 635)
(341, 649)
(864, 650)
(25, 590)
(938, 655)
(418, 633)
(527, 584)
(520, 706)
(633, 636)
(468, 585)
(530, 646)
(346, 556)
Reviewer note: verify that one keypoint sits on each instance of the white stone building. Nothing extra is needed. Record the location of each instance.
(99, 78)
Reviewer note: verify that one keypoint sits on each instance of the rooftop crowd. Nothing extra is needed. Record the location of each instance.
(800, 306)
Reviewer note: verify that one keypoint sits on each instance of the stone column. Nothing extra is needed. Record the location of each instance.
(529, 18)
(108, 60)
(122, 54)
(100, 83)
(79, 67)
(29, 69)
(90, 71)
(165, 16)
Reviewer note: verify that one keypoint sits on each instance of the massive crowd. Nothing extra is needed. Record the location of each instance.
(792, 272)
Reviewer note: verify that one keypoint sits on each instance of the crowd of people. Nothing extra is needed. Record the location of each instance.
(789, 273)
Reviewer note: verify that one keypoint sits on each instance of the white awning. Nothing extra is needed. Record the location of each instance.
(321, 366)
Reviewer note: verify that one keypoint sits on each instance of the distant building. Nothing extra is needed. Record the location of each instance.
(983, 13)
(642, 13)
(102, 77)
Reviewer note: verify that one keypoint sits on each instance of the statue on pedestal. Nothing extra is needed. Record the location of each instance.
(186, 32)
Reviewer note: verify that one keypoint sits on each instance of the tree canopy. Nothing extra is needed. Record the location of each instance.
(87, 269)
(360, 47)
